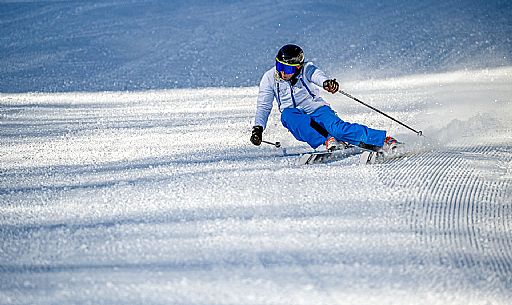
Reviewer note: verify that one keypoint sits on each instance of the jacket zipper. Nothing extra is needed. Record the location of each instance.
(293, 98)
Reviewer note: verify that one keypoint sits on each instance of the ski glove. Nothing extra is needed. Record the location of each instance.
(257, 135)
(331, 85)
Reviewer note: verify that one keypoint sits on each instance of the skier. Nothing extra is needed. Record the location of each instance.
(293, 83)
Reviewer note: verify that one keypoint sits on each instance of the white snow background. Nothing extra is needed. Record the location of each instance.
(127, 175)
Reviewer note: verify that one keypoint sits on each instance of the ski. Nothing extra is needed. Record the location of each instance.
(319, 157)
(373, 157)
(367, 155)
(370, 157)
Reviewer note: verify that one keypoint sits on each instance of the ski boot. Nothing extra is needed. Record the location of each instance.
(331, 144)
(390, 145)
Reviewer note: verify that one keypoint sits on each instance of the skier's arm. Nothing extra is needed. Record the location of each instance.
(264, 102)
(315, 75)
(319, 78)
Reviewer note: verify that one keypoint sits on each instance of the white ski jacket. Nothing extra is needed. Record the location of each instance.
(304, 94)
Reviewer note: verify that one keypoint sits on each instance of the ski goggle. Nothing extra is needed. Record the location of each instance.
(286, 68)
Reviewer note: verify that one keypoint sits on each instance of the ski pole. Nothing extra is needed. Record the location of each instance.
(419, 133)
(276, 144)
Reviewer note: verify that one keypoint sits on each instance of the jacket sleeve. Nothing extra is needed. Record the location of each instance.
(264, 102)
(315, 75)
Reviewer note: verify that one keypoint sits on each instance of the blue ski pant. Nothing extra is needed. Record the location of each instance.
(305, 128)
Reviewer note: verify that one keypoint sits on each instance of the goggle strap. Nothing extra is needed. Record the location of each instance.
(287, 64)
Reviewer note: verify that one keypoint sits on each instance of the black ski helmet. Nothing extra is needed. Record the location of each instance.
(291, 54)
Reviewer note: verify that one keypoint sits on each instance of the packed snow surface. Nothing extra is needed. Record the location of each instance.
(158, 197)
(161, 44)
(127, 175)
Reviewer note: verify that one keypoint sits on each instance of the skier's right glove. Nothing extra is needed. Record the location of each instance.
(331, 85)
(257, 135)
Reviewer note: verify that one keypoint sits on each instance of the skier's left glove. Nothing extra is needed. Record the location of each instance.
(331, 85)
(257, 135)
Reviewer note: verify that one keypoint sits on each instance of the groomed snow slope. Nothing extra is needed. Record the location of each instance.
(158, 197)
(56, 46)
